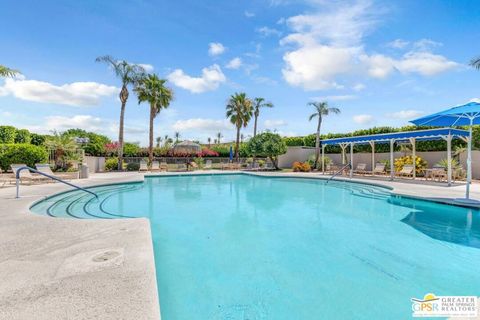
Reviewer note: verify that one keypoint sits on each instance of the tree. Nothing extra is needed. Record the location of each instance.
(259, 103)
(239, 111)
(269, 145)
(159, 141)
(321, 110)
(7, 72)
(209, 140)
(64, 148)
(177, 136)
(129, 74)
(475, 62)
(23, 136)
(219, 137)
(7, 134)
(152, 89)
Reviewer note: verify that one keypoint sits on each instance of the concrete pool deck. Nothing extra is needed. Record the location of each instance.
(56, 268)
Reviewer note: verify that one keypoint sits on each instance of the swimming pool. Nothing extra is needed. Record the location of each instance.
(246, 247)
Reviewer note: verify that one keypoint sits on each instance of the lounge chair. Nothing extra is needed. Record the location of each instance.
(208, 164)
(45, 168)
(407, 171)
(181, 167)
(226, 166)
(5, 178)
(163, 166)
(25, 175)
(143, 165)
(193, 165)
(439, 174)
(379, 169)
(269, 166)
(361, 168)
(155, 166)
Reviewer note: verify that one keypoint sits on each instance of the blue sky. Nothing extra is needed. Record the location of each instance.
(380, 62)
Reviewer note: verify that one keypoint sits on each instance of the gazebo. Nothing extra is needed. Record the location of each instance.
(447, 134)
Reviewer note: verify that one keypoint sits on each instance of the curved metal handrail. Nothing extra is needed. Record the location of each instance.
(17, 177)
(338, 172)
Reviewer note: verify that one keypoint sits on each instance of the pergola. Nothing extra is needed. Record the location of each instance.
(447, 134)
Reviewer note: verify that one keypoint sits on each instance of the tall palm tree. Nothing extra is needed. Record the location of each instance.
(152, 89)
(239, 111)
(129, 74)
(321, 110)
(159, 141)
(475, 62)
(259, 103)
(209, 140)
(6, 72)
(177, 136)
(219, 137)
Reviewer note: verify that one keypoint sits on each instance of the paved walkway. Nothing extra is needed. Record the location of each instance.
(102, 269)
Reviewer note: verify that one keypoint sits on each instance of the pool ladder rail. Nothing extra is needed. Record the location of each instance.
(348, 165)
(17, 177)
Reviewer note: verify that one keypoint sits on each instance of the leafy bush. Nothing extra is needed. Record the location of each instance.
(301, 167)
(21, 153)
(261, 163)
(326, 161)
(267, 144)
(130, 149)
(111, 164)
(7, 134)
(37, 139)
(207, 153)
(133, 166)
(420, 164)
(199, 161)
(294, 141)
(96, 144)
(444, 164)
(23, 136)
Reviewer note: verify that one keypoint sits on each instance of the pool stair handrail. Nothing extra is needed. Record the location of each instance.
(17, 177)
(348, 165)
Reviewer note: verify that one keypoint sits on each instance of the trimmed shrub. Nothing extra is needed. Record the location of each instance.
(37, 139)
(133, 166)
(301, 167)
(21, 153)
(111, 164)
(7, 134)
(420, 164)
(130, 149)
(294, 141)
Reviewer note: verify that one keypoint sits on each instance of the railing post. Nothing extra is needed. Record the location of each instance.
(18, 188)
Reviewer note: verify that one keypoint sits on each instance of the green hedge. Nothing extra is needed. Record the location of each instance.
(21, 153)
(7, 134)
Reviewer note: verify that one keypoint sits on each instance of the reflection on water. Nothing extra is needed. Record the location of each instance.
(446, 223)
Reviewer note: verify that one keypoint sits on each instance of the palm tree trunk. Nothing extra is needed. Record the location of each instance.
(237, 145)
(150, 136)
(255, 126)
(123, 99)
(317, 142)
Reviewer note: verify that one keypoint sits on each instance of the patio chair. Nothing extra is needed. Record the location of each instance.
(193, 165)
(379, 169)
(226, 166)
(439, 174)
(208, 164)
(25, 175)
(361, 168)
(181, 167)
(163, 166)
(155, 166)
(407, 171)
(235, 166)
(5, 178)
(45, 168)
(269, 166)
(143, 165)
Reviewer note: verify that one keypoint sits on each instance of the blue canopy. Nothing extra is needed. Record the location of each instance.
(464, 115)
(420, 135)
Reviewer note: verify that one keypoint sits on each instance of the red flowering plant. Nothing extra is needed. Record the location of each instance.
(207, 153)
(111, 148)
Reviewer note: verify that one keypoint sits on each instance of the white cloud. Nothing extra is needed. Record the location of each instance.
(206, 125)
(359, 87)
(405, 114)
(477, 100)
(363, 119)
(267, 32)
(249, 14)
(335, 98)
(273, 124)
(235, 63)
(211, 78)
(328, 44)
(398, 44)
(147, 67)
(216, 48)
(72, 94)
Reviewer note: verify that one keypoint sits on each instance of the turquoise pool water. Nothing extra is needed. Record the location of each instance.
(243, 247)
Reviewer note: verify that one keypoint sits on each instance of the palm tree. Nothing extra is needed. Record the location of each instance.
(152, 89)
(321, 109)
(239, 111)
(259, 103)
(6, 72)
(177, 136)
(475, 62)
(219, 137)
(209, 141)
(129, 74)
(159, 141)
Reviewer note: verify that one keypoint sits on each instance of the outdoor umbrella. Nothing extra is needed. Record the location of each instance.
(464, 115)
(231, 154)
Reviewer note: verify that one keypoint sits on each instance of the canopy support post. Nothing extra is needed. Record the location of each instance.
(448, 138)
(351, 160)
(469, 160)
(323, 158)
(392, 168)
(414, 157)
(343, 146)
(372, 144)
